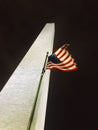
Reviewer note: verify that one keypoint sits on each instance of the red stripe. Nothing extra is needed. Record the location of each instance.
(69, 66)
(63, 54)
(59, 66)
(68, 61)
(59, 52)
(65, 70)
(69, 70)
(66, 66)
(62, 64)
(65, 58)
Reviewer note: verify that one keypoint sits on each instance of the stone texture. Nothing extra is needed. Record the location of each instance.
(17, 96)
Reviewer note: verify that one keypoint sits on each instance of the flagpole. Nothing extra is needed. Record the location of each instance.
(38, 90)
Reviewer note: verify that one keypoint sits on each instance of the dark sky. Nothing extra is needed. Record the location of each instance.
(72, 102)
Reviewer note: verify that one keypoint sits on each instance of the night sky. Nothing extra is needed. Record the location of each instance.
(73, 100)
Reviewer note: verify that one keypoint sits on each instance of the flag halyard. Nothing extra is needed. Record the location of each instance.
(61, 60)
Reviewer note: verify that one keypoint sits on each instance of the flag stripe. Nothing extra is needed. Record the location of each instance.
(70, 63)
(63, 69)
(61, 53)
(67, 59)
(61, 65)
(64, 56)
(58, 51)
(66, 63)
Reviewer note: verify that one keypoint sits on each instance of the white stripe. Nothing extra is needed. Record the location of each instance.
(57, 51)
(67, 53)
(68, 59)
(61, 53)
(72, 67)
(70, 63)
(61, 67)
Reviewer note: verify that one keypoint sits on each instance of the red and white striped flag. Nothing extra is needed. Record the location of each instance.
(62, 60)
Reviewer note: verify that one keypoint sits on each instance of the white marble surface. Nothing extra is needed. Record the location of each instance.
(17, 96)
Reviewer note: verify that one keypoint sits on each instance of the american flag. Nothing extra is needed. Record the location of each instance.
(62, 60)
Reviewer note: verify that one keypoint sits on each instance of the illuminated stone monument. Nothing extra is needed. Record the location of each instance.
(17, 98)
